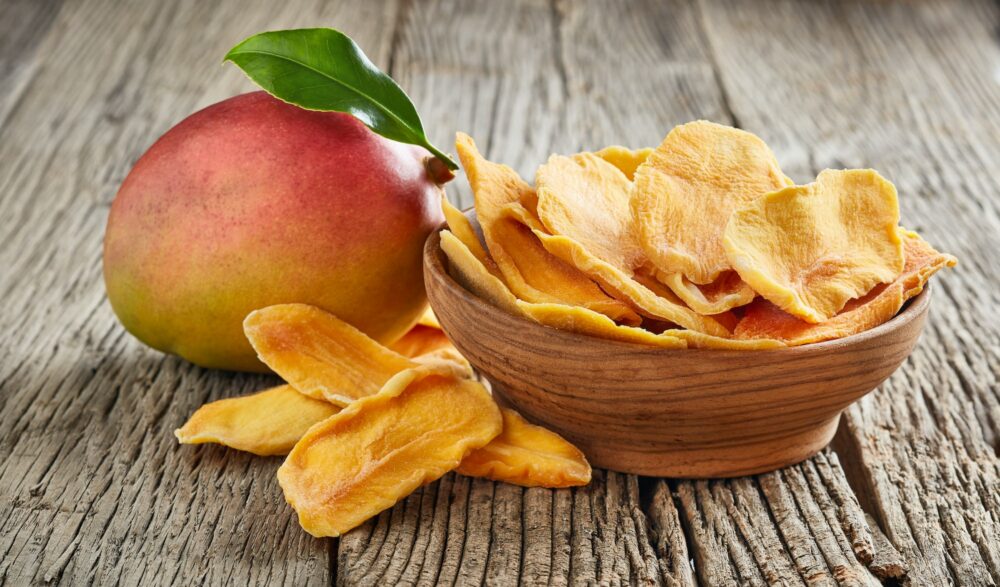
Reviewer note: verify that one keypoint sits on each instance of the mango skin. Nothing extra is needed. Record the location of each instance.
(253, 202)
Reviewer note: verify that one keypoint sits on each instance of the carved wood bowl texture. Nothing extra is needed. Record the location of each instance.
(670, 413)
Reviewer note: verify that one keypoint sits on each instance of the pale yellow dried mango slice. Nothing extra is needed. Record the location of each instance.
(625, 159)
(528, 455)
(381, 448)
(661, 306)
(266, 423)
(320, 355)
(728, 291)
(529, 271)
(583, 321)
(460, 225)
(429, 319)
(809, 249)
(700, 340)
(686, 190)
(764, 319)
(586, 198)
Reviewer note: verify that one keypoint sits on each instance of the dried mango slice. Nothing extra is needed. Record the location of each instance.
(528, 455)
(461, 226)
(266, 423)
(664, 306)
(470, 273)
(445, 359)
(586, 198)
(473, 275)
(809, 249)
(381, 448)
(764, 319)
(686, 190)
(700, 340)
(429, 319)
(583, 321)
(624, 158)
(728, 291)
(420, 340)
(320, 355)
(530, 272)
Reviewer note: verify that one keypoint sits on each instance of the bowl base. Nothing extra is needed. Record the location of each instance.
(748, 458)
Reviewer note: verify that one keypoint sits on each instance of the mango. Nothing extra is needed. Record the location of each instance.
(253, 202)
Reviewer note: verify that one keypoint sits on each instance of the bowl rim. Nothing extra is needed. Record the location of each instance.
(434, 260)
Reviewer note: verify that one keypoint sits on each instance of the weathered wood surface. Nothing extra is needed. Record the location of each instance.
(94, 489)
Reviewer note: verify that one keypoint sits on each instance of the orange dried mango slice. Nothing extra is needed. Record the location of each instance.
(809, 249)
(700, 340)
(529, 271)
(266, 423)
(429, 319)
(322, 356)
(764, 319)
(686, 190)
(661, 305)
(469, 271)
(460, 225)
(583, 321)
(381, 448)
(728, 291)
(528, 455)
(420, 340)
(625, 159)
(586, 198)
(473, 276)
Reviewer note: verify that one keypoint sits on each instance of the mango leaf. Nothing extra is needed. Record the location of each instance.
(323, 69)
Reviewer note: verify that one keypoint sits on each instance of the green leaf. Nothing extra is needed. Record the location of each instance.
(323, 69)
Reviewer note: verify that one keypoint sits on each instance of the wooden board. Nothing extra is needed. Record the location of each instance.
(93, 487)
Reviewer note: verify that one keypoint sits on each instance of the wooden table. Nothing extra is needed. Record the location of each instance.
(94, 488)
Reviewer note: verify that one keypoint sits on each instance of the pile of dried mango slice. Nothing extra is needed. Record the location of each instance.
(364, 425)
(702, 242)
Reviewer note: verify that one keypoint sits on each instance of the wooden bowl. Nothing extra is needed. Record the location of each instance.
(670, 413)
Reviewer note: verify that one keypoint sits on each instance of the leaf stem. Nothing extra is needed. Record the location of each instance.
(448, 161)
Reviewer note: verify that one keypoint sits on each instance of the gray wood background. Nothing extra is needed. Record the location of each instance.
(93, 488)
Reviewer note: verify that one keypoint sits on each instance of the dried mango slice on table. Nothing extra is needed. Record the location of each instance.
(809, 249)
(764, 319)
(421, 340)
(429, 319)
(320, 355)
(266, 423)
(381, 448)
(528, 455)
(532, 273)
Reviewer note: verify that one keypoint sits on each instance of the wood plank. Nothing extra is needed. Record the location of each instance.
(93, 487)
(471, 531)
(23, 24)
(801, 524)
(909, 89)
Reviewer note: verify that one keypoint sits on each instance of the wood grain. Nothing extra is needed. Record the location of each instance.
(93, 488)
